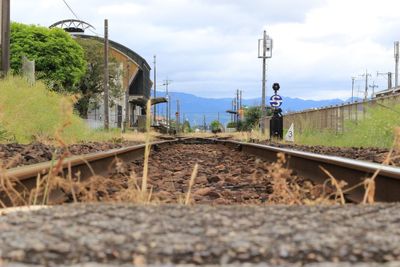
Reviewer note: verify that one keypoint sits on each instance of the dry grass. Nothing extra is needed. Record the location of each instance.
(191, 183)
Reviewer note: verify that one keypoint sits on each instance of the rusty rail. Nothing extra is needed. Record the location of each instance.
(303, 163)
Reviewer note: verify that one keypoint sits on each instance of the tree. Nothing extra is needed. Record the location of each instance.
(91, 85)
(252, 116)
(216, 127)
(186, 127)
(59, 60)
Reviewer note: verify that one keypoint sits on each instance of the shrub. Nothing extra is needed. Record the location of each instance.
(34, 112)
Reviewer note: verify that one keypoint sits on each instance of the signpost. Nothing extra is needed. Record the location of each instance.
(290, 134)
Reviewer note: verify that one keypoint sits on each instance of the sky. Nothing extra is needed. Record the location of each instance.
(209, 47)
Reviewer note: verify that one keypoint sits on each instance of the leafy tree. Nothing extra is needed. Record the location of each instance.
(91, 85)
(186, 127)
(59, 60)
(216, 127)
(252, 116)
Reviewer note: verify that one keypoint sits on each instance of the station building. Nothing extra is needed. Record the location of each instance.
(134, 78)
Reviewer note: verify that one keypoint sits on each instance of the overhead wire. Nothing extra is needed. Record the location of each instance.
(77, 17)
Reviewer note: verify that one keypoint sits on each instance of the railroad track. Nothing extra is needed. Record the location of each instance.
(303, 163)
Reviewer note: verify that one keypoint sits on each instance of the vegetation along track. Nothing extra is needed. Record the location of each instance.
(230, 172)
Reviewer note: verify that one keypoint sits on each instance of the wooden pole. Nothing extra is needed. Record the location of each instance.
(5, 36)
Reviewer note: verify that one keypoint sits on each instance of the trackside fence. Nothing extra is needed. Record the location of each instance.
(333, 118)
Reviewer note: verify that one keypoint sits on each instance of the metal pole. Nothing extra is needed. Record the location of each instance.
(396, 56)
(390, 80)
(352, 89)
(204, 123)
(155, 88)
(5, 36)
(264, 75)
(106, 76)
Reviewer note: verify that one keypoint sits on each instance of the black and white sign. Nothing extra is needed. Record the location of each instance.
(275, 101)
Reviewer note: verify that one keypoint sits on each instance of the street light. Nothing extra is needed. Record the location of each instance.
(264, 52)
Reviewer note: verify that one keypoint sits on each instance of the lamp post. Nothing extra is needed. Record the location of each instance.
(264, 52)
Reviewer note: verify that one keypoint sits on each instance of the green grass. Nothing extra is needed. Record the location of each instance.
(29, 113)
(376, 130)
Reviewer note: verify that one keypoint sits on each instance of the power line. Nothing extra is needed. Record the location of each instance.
(70, 9)
(77, 17)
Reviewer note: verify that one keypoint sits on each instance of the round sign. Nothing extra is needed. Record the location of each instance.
(275, 101)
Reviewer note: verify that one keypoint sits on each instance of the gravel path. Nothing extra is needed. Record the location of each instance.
(117, 234)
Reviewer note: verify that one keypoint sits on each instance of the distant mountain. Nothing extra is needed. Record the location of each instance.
(194, 108)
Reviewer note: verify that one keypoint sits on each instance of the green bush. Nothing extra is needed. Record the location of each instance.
(59, 59)
(33, 112)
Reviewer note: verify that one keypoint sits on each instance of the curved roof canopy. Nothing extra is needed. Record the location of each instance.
(72, 25)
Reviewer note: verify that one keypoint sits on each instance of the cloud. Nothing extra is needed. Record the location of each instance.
(209, 47)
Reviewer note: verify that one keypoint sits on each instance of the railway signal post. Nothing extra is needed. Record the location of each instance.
(264, 52)
(276, 122)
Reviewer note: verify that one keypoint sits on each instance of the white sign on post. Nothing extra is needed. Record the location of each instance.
(290, 134)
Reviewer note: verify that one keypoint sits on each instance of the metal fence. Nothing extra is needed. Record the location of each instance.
(333, 118)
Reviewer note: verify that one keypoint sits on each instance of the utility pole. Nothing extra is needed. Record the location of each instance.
(126, 119)
(204, 123)
(352, 88)
(264, 52)
(373, 86)
(4, 37)
(218, 117)
(106, 76)
(366, 75)
(238, 106)
(233, 109)
(396, 57)
(178, 119)
(389, 78)
(241, 104)
(155, 89)
(167, 115)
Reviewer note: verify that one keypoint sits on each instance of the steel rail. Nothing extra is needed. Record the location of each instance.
(351, 171)
(98, 163)
(304, 164)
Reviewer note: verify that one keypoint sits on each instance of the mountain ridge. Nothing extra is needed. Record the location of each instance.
(194, 108)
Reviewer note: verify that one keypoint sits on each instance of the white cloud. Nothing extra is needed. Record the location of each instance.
(209, 47)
